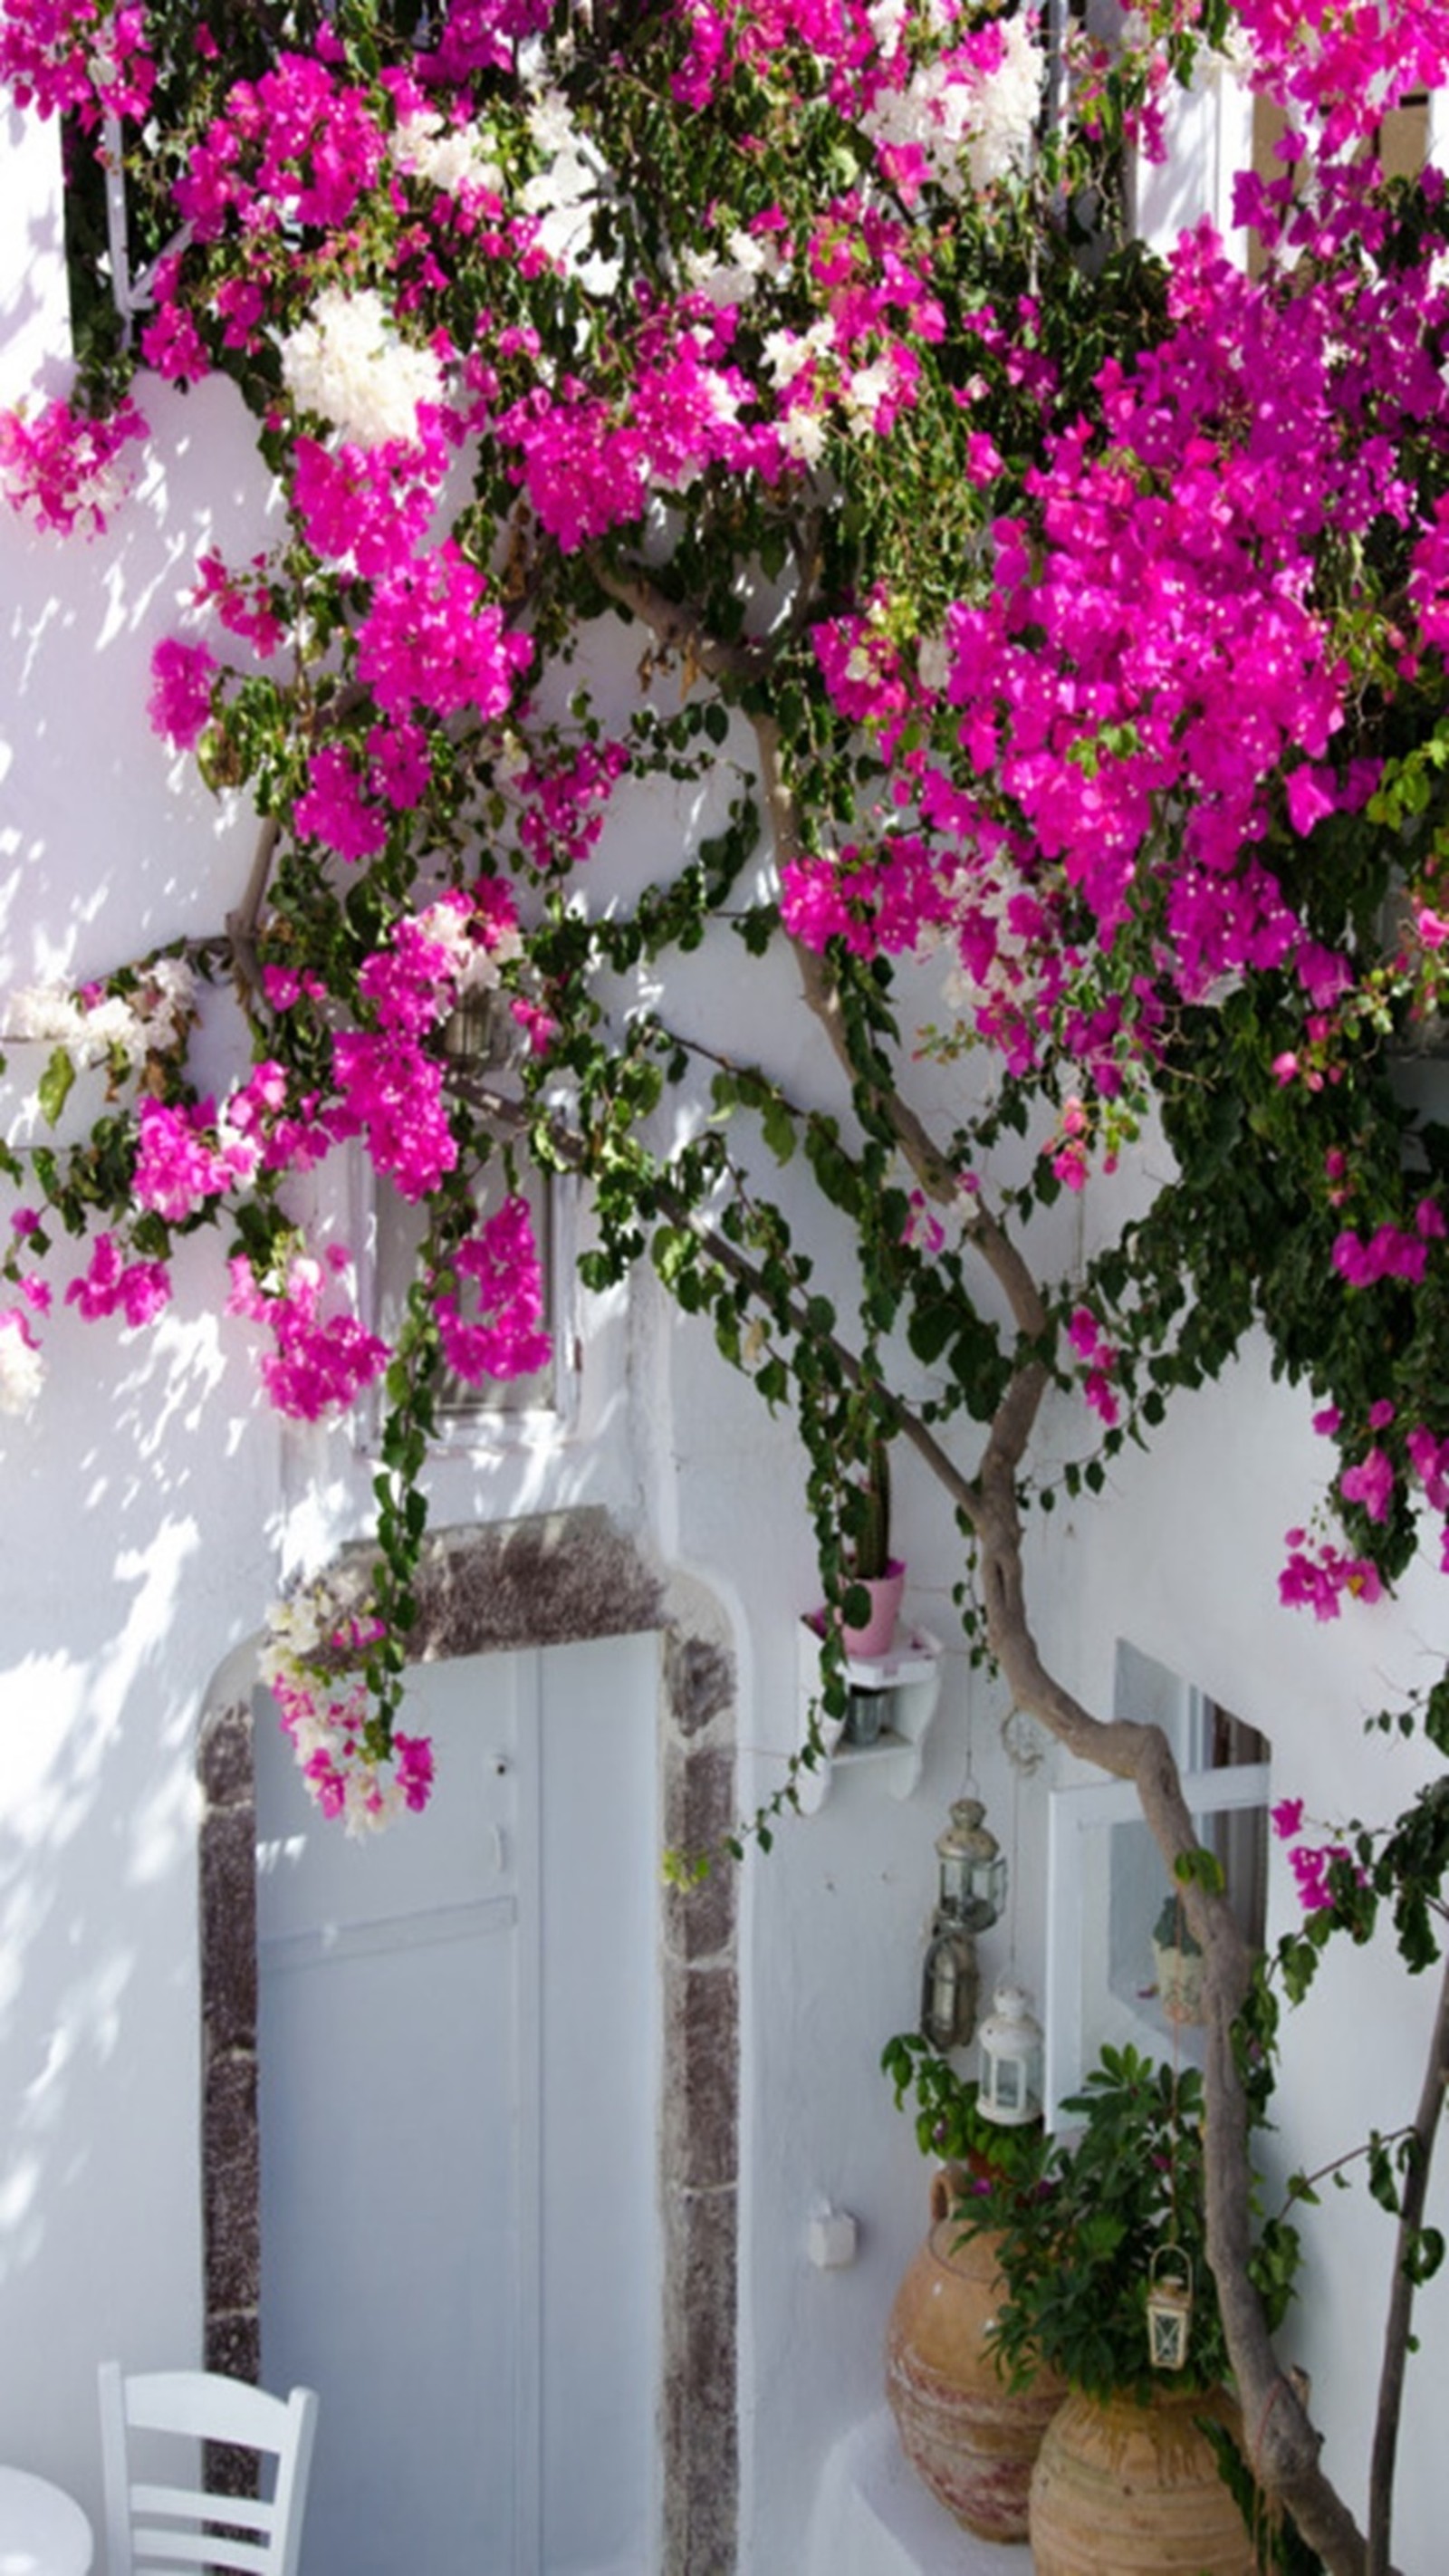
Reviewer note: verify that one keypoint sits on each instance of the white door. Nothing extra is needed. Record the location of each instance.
(457, 2037)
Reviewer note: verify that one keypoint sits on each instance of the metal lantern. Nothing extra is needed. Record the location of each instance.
(480, 1031)
(1011, 2060)
(1169, 2308)
(950, 1985)
(973, 1867)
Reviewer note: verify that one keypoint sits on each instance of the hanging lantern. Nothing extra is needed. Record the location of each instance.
(1011, 2060)
(1169, 2308)
(480, 1031)
(950, 1985)
(973, 1867)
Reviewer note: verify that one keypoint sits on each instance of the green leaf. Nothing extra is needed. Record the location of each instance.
(55, 1086)
(779, 1130)
(930, 1329)
(673, 1249)
(1200, 1868)
(1423, 2254)
(773, 1381)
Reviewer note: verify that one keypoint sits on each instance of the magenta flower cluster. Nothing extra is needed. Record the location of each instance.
(504, 1337)
(63, 469)
(182, 1163)
(76, 58)
(137, 1291)
(321, 1362)
(1309, 1862)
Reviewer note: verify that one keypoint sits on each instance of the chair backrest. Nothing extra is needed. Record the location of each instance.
(154, 2528)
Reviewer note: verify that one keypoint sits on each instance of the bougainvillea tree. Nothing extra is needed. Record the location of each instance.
(1066, 621)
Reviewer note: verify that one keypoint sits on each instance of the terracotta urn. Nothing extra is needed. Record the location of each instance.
(969, 2437)
(1123, 2488)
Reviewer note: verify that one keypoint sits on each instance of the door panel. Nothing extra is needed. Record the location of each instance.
(457, 2032)
(388, 2033)
(599, 1869)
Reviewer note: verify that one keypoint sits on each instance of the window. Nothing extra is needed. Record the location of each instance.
(1401, 143)
(477, 1416)
(1107, 1881)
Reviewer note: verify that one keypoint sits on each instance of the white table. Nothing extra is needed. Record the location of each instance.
(43, 2531)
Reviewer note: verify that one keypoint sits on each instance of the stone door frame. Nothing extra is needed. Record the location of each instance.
(561, 1578)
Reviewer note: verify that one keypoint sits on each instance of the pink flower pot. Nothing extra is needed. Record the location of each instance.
(878, 1635)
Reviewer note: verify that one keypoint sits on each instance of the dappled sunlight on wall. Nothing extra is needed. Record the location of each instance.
(94, 803)
(34, 334)
(125, 1532)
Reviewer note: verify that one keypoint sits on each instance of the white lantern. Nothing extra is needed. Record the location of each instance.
(1011, 2060)
(1169, 2308)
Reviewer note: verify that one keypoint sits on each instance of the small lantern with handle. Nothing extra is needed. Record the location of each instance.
(1169, 2308)
(973, 1868)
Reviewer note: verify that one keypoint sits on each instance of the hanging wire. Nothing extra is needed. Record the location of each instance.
(969, 1785)
(1012, 1883)
(1024, 1753)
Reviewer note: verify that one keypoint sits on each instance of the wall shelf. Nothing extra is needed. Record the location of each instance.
(911, 1672)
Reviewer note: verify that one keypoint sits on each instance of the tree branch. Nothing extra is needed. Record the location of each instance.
(1401, 2296)
(678, 629)
(241, 925)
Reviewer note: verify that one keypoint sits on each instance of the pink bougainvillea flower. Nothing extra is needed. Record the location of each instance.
(181, 685)
(413, 1761)
(1318, 1579)
(136, 1290)
(1389, 1253)
(334, 807)
(321, 1361)
(182, 1164)
(1371, 1483)
(64, 469)
(505, 1337)
(1310, 1865)
(172, 345)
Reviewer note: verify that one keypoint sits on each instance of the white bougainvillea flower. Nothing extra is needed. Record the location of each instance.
(22, 1370)
(348, 363)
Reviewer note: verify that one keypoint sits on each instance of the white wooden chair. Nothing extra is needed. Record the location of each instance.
(153, 2528)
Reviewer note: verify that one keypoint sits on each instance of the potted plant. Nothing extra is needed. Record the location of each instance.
(1178, 1960)
(971, 2435)
(875, 1580)
(1128, 2475)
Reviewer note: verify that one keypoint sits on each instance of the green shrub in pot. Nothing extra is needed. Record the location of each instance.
(1077, 2249)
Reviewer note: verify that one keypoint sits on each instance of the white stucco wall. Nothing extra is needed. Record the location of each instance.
(152, 1510)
